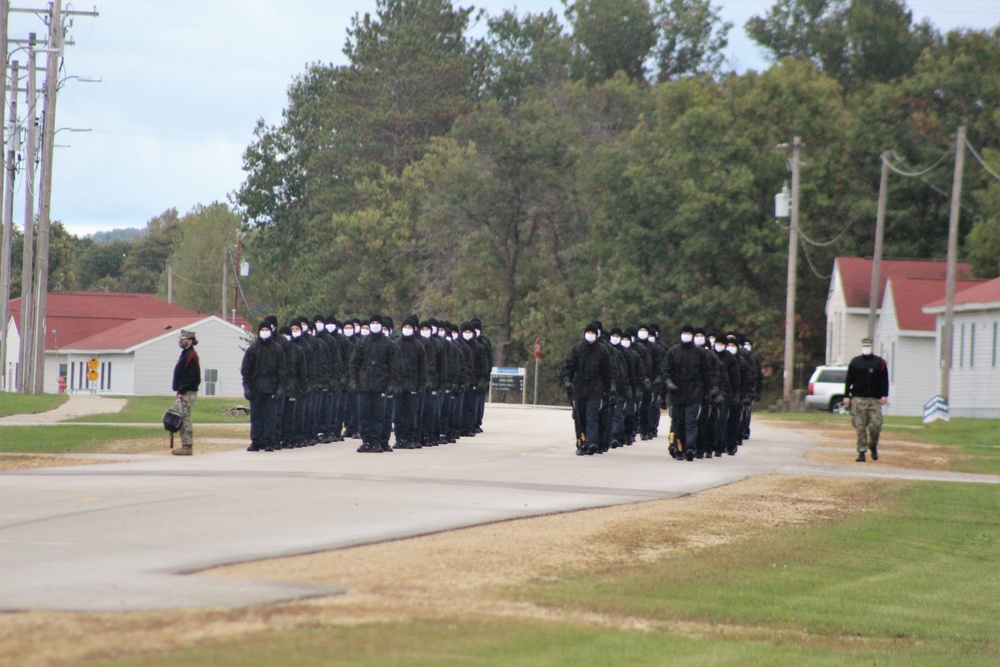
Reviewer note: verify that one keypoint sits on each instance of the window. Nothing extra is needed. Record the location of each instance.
(211, 381)
(972, 345)
(994, 360)
(961, 347)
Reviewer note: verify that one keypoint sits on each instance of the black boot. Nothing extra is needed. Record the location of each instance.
(861, 457)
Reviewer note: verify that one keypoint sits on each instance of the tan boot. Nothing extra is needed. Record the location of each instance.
(183, 450)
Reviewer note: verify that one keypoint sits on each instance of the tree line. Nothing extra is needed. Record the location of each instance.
(538, 170)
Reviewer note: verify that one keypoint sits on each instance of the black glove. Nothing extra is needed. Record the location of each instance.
(647, 385)
(246, 393)
(719, 400)
(671, 386)
(392, 391)
(567, 385)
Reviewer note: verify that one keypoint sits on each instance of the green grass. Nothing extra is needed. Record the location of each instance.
(70, 439)
(28, 404)
(911, 584)
(150, 409)
(978, 439)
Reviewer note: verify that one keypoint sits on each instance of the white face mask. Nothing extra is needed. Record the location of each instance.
(479, 332)
(867, 351)
(365, 331)
(616, 340)
(332, 328)
(731, 349)
(407, 331)
(425, 333)
(719, 347)
(296, 333)
(686, 337)
(747, 347)
(264, 334)
(319, 328)
(375, 327)
(468, 335)
(590, 336)
(348, 331)
(643, 335)
(652, 339)
(699, 341)
(711, 341)
(287, 337)
(626, 343)
(442, 333)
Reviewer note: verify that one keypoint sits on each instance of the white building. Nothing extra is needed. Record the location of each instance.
(126, 344)
(906, 339)
(974, 386)
(850, 290)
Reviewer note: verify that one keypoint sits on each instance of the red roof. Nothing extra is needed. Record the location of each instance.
(72, 317)
(856, 275)
(984, 293)
(133, 333)
(910, 295)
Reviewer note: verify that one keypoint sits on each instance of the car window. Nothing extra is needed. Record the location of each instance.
(839, 375)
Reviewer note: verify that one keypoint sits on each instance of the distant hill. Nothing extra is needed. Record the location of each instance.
(127, 235)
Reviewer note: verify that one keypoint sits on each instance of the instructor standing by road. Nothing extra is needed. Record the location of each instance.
(187, 380)
(866, 390)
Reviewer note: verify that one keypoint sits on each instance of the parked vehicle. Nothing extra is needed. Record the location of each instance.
(826, 388)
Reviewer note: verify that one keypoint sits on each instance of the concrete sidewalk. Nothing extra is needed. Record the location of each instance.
(78, 405)
(122, 536)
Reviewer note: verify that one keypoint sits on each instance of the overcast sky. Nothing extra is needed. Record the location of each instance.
(184, 82)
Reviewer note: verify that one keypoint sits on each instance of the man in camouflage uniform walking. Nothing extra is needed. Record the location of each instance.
(866, 390)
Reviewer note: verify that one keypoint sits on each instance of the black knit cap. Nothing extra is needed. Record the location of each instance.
(374, 317)
(687, 328)
(467, 326)
(264, 324)
(592, 328)
(616, 331)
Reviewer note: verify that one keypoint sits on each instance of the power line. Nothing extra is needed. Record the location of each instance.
(980, 160)
(917, 174)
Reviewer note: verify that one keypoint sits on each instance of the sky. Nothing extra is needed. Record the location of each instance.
(184, 82)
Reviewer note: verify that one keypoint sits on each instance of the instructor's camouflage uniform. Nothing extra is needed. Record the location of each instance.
(867, 389)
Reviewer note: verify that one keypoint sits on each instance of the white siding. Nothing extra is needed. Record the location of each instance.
(220, 347)
(13, 353)
(974, 380)
(844, 327)
(912, 376)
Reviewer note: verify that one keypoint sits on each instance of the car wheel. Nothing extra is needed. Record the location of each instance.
(837, 405)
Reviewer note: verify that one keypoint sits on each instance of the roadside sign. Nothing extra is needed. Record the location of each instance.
(538, 348)
(93, 363)
(936, 408)
(92, 376)
(508, 379)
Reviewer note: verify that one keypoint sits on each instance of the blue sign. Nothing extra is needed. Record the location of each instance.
(936, 408)
(508, 371)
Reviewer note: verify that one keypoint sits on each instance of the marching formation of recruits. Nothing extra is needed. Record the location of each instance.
(615, 381)
(323, 380)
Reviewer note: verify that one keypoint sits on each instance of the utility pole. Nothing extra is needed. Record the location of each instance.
(8, 221)
(53, 51)
(947, 337)
(28, 257)
(170, 284)
(224, 288)
(5, 287)
(236, 273)
(883, 195)
(793, 260)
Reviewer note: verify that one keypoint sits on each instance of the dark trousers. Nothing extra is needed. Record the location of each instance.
(263, 419)
(704, 431)
(430, 427)
(407, 414)
(470, 410)
(388, 419)
(332, 411)
(745, 423)
(644, 405)
(371, 412)
(588, 418)
(733, 421)
(654, 412)
(618, 423)
(685, 424)
(721, 419)
(288, 419)
(351, 412)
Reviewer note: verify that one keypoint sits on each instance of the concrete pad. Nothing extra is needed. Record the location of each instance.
(124, 536)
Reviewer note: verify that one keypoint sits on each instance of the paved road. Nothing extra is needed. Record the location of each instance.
(121, 536)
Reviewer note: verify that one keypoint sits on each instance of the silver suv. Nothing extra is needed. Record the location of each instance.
(826, 388)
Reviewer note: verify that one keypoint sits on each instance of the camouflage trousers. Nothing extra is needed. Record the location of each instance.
(187, 434)
(866, 413)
